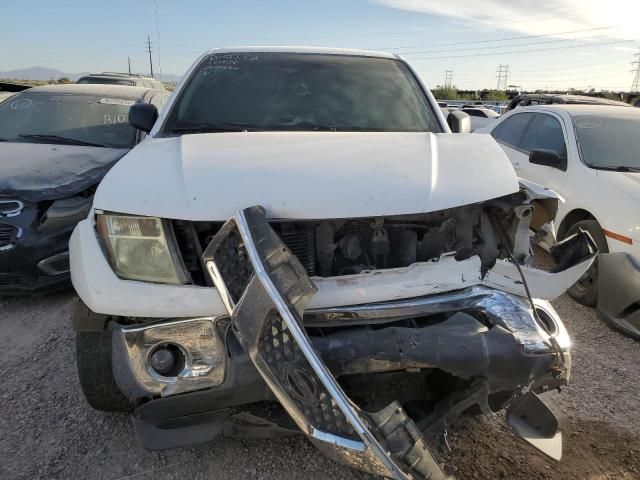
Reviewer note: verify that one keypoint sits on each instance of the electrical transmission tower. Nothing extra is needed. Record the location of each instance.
(149, 50)
(635, 86)
(503, 77)
(448, 79)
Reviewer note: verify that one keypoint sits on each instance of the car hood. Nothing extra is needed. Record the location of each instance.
(34, 172)
(626, 182)
(306, 175)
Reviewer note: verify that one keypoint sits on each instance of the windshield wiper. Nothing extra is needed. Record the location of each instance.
(212, 128)
(304, 126)
(62, 140)
(615, 168)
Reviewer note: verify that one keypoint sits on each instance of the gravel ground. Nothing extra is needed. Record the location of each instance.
(48, 431)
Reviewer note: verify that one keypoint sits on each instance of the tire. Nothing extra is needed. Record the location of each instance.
(585, 290)
(93, 357)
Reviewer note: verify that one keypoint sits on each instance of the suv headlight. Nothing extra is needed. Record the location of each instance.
(141, 248)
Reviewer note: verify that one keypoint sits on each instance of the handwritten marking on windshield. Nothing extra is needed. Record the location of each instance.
(21, 104)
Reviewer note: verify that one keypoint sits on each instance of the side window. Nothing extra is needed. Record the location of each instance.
(473, 112)
(545, 132)
(510, 131)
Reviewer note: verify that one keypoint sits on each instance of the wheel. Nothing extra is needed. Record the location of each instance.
(93, 358)
(585, 290)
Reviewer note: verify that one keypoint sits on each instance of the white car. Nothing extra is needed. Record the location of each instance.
(481, 116)
(301, 225)
(590, 155)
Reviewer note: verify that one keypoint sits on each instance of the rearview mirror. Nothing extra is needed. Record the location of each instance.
(459, 122)
(548, 158)
(143, 116)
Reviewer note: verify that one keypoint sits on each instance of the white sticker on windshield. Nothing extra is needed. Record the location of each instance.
(587, 122)
(116, 101)
(21, 104)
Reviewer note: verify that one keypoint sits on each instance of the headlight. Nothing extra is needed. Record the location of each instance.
(138, 248)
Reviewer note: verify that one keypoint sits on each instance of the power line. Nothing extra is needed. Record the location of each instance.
(448, 78)
(150, 57)
(524, 51)
(503, 77)
(158, 41)
(635, 86)
(503, 39)
(466, 49)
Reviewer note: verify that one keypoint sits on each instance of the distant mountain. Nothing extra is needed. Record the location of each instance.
(39, 73)
(44, 73)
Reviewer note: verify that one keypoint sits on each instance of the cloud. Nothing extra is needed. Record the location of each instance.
(626, 49)
(586, 54)
(535, 17)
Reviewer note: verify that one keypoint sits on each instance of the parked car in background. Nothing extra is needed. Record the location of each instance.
(590, 154)
(480, 116)
(115, 78)
(57, 142)
(9, 89)
(281, 178)
(531, 99)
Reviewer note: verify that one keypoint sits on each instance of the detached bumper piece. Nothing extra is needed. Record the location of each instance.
(265, 290)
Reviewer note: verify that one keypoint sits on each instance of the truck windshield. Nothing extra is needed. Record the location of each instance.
(67, 118)
(300, 92)
(608, 142)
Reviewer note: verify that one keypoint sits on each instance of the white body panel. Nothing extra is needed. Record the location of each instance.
(103, 292)
(305, 175)
(612, 198)
(480, 122)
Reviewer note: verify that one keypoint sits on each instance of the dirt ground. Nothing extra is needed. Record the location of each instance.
(48, 431)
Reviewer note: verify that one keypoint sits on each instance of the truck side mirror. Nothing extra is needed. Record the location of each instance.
(548, 158)
(143, 116)
(459, 122)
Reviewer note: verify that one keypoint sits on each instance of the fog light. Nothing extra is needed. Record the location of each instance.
(163, 360)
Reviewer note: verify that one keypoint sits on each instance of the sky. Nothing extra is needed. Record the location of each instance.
(546, 43)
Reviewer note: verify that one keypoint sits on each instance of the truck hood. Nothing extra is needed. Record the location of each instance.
(34, 172)
(306, 175)
(626, 182)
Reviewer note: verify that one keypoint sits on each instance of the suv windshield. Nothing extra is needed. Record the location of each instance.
(67, 118)
(609, 142)
(293, 91)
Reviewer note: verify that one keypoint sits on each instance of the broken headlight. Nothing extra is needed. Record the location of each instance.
(141, 248)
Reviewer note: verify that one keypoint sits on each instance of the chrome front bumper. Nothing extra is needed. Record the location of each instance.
(202, 349)
(265, 290)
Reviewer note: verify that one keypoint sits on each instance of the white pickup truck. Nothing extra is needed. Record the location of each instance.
(301, 225)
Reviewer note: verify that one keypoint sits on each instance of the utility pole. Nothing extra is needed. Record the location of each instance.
(635, 86)
(149, 50)
(448, 79)
(129, 62)
(503, 77)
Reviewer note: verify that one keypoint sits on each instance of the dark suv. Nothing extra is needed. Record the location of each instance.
(57, 142)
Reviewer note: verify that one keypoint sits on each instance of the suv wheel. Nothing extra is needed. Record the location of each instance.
(585, 290)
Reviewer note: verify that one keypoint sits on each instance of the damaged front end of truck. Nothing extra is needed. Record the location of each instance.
(450, 319)
(376, 385)
(477, 347)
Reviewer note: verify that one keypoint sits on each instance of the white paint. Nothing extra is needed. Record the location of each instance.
(103, 292)
(306, 175)
(612, 198)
